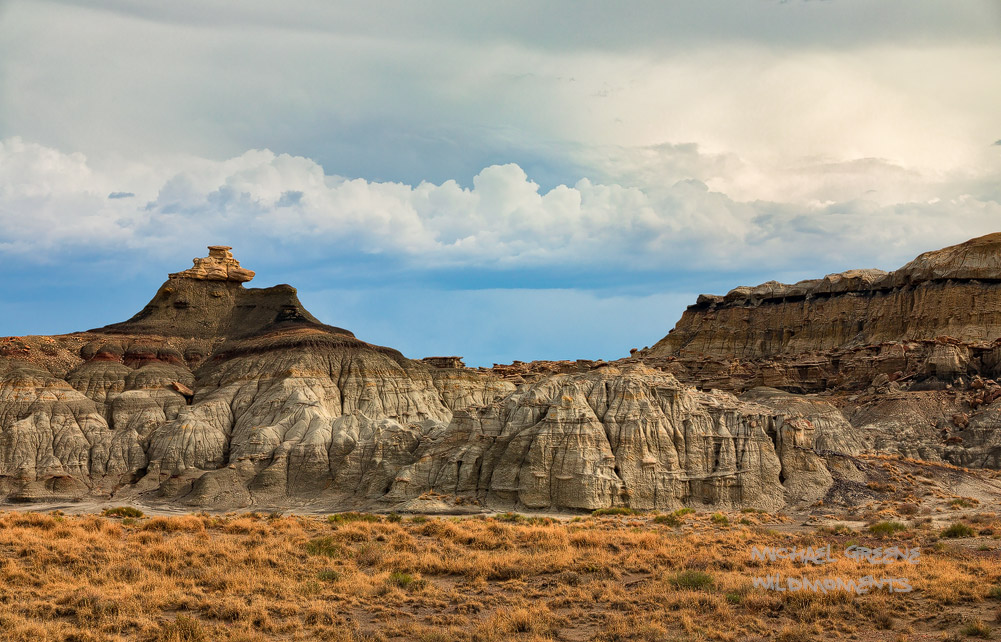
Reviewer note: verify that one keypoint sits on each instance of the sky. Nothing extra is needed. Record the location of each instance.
(500, 181)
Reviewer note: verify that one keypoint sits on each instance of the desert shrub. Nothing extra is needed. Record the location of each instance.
(668, 520)
(977, 629)
(123, 511)
(325, 546)
(681, 512)
(174, 524)
(615, 510)
(570, 578)
(720, 519)
(883, 620)
(883, 529)
(692, 580)
(509, 517)
(351, 516)
(183, 629)
(403, 580)
(329, 575)
(958, 529)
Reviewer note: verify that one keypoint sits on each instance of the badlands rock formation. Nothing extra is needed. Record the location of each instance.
(220, 396)
(939, 316)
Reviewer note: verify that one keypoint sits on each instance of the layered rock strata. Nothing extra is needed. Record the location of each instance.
(221, 396)
(939, 316)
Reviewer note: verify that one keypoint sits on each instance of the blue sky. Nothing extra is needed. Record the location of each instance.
(500, 181)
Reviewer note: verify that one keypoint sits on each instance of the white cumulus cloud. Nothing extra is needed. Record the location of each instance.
(53, 200)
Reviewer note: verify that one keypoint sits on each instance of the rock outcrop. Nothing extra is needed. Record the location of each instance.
(954, 292)
(219, 265)
(221, 396)
(939, 316)
(216, 395)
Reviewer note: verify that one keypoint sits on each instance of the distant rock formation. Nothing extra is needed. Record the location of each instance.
(220, 396)
(938, 316)
(953, 292)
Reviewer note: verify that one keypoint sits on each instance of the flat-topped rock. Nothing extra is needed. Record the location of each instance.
(976, 259)
(955, 292)
(219, 265)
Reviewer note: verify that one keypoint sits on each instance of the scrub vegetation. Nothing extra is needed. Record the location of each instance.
(680, 576)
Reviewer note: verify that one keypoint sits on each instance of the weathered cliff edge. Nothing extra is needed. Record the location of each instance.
(938, 317)
(220, 396)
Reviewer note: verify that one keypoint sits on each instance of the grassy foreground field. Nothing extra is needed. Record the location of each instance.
(682, 576)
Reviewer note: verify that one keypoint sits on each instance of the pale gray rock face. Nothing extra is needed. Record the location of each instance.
(355, 426)
(905, 424)
(978, 444)
(806, 429)
(605, 438)
(831, 429)
(53, 440)
(222, 397)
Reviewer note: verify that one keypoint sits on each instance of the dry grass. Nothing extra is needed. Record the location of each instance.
(606, 578)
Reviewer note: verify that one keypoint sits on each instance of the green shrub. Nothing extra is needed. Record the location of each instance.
(720, 519)
(958, 529)
(123, 511)
(509, 517)
(329, 575)
(671, 520)
(394, 518)
(886, 528)
(405, 581)
(692, 580)
(350, 516)
(615, 510)
(681, 512)
(325, 546)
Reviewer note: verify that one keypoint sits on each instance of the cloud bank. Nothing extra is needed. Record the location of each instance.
(53, 201)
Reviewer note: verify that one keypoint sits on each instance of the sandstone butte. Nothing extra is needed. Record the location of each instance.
(220, 396)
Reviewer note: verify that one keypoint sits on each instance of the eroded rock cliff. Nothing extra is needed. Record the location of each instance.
(220, 396)
(215, 395)
(939, 316)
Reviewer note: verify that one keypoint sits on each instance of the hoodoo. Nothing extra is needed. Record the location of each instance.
(209, 301)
